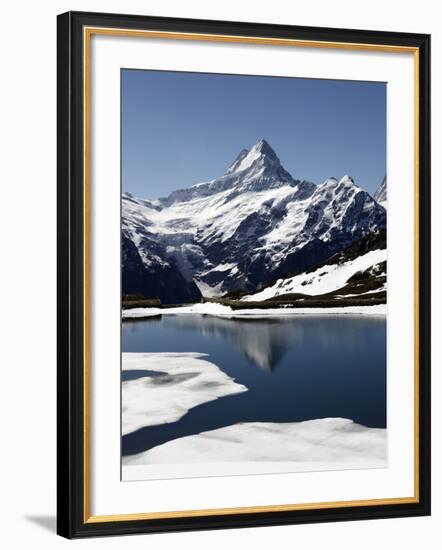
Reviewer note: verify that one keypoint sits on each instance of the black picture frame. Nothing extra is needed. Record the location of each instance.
(71, 392)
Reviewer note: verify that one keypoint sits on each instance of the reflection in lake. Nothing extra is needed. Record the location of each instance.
(295, 368)
(263, 343)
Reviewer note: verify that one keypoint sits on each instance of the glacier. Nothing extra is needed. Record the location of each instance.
(240, 231)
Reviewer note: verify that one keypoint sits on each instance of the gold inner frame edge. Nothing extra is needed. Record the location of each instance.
(87, 33)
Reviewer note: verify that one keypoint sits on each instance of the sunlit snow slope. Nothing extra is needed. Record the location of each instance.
(323, 280)
(242, 230)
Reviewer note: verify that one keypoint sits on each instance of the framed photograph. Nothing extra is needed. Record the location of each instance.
(243, 274)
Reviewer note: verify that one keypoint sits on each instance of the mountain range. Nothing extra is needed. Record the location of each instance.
(241, 231)
(381, 193)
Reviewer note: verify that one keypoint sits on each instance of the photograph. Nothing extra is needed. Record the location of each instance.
(243, 274)
(253, 274)
(219, 231)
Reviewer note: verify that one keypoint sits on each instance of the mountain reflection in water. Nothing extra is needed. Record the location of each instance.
(264, 341)
(295, 368)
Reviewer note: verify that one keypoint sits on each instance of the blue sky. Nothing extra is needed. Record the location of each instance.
(179, 129)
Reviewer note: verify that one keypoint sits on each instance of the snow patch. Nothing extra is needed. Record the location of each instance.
(327, 443)
(326, 278)
(209, 291)
(256, 206)
(173, 384)
(381, 193)
(211, 308)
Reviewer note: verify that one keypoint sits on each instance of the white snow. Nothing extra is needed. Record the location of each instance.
(222, 267)
(288, 230)
(210, 308)
(327, 278)
(329, 203)
(255, 188)
(326, 443)
(184, 380)
(215, 217)
(248, 160)
(209, 291)
(382, 288)
(381, 193)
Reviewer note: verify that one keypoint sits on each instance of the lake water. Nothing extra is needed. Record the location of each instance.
(295, 369)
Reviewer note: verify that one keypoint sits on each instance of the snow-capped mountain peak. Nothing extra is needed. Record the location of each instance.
(263, 149)
(256, 169)
(346, 182)
(237, 162)
(261, 153)
(332, 189)
(381, 192)
(254, 223)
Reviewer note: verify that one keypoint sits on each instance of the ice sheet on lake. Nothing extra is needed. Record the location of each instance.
(180, 381)
(210, 308)
(327, 443)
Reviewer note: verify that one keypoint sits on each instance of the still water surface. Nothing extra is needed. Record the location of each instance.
(295, 369)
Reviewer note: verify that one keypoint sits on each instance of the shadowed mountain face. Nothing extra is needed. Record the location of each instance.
(240, 231)
(159, 279)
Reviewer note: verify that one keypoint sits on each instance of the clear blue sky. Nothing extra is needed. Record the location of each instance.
(179, 129)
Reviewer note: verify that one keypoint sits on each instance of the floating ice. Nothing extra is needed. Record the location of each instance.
(327, 443)
(165, 386)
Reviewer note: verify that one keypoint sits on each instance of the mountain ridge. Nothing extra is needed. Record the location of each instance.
(380, 194)
(256, 169)
(250, 225)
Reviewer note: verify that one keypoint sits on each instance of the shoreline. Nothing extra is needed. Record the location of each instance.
(219, 310)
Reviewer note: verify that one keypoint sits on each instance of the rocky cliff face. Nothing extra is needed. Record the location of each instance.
(240, 231)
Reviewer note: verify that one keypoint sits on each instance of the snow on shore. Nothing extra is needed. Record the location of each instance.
(210, 308)
(326, 443)
(180, 381)
(326, 278)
